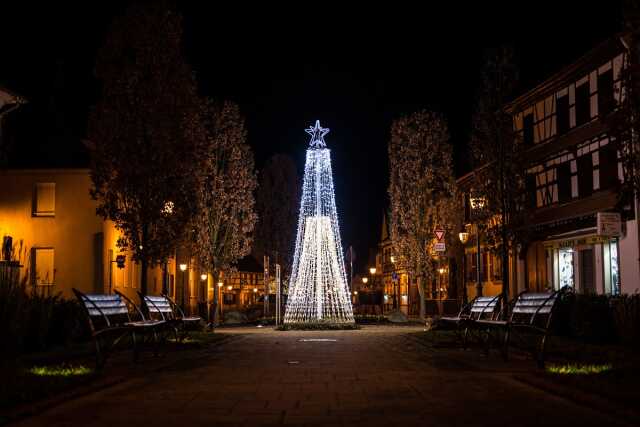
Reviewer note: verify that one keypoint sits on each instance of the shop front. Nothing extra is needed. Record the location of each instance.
(585, 261)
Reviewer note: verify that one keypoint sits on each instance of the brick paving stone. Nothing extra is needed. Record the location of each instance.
(376, 376)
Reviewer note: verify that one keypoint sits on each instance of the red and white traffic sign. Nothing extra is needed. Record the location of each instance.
(439, 233)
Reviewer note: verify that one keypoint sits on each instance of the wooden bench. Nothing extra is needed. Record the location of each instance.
(161, 307)
(109, 318)
(530, 313)
(480, 308)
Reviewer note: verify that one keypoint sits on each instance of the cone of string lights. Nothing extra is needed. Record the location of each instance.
(318, 291)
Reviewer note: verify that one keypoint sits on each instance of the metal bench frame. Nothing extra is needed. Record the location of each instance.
(529, 313)
(105, 337)
(477, 309)
(164, 307)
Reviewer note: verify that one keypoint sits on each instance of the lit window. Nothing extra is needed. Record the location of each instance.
(44, 199)
(43, 267)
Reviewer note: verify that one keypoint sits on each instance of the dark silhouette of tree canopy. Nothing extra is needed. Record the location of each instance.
(142, 159)
(496, 156)
(278, 202)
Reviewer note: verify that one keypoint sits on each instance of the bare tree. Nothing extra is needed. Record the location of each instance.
(278, 202)
(422, 192)
(141, 157)
(225, 219)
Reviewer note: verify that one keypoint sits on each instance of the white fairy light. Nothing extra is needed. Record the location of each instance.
(319, 291)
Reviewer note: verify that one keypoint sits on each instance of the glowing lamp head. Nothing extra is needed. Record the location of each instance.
(477, 202)
(255, 290)
(203, 276)
(355, 292)
(365, 280)
(441, 270)
(219, 284)
(393, 259)
(372, 270)
(183, 267)
(464, 237)
(229, 287)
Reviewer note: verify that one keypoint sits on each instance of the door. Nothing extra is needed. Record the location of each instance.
(587, 276)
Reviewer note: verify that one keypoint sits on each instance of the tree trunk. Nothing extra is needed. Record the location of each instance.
(423, 309)
(215, 318)
(144, 264)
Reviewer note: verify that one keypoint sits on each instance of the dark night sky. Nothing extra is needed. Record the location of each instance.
(354, 70)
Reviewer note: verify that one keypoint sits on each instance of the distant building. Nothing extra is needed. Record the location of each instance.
(49, 227)
(573, 174)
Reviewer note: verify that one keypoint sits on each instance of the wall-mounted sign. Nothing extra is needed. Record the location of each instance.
(440, 247)
(576, 242)
(609, 224)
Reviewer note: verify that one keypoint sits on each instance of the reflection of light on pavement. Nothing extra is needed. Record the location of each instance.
(317, 340)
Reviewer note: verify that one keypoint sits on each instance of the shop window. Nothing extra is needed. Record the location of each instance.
(565, 267)
(606, 101)
(562, 114)
(583, 107)
(42, 264)
(44, 199)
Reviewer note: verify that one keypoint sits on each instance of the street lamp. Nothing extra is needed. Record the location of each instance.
(372, 270)
(203, 276)
(464, 238)
(365, 280)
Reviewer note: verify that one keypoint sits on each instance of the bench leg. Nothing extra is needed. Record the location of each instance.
(505, 345)
(100, 357)
(540, 356)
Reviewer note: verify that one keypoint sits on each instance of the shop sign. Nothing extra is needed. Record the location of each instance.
(609, 224)
(573, 243)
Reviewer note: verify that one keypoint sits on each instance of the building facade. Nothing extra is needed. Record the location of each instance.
(572, 183)
(49, 228)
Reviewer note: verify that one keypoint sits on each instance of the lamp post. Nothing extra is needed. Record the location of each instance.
(183, 268)
(220, 299)
(464, 238)
(203, 301)
(477, 205)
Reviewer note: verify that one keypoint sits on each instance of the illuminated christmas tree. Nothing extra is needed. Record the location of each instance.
(318, 287)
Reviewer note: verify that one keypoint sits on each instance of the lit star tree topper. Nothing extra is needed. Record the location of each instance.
(318, 287)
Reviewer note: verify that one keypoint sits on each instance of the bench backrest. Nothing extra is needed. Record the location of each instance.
(485, 307)
(534, 308)
(103, 310)
(158, 306)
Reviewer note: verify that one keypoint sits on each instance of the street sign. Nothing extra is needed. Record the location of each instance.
(439, 233)
(609, 224)
(440, 247)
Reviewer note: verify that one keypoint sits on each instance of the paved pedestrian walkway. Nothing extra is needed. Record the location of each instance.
(376, 376)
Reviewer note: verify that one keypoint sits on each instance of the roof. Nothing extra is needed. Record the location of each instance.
(605, 50)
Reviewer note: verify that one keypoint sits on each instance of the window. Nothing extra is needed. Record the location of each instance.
(229, 298)
(608, 164)
(564, 182)
(44, 199)
(527, 129)
(605, 93)
(562, 107)
(585, 175)
(583, 107)
(530, 188)
(42, 266)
